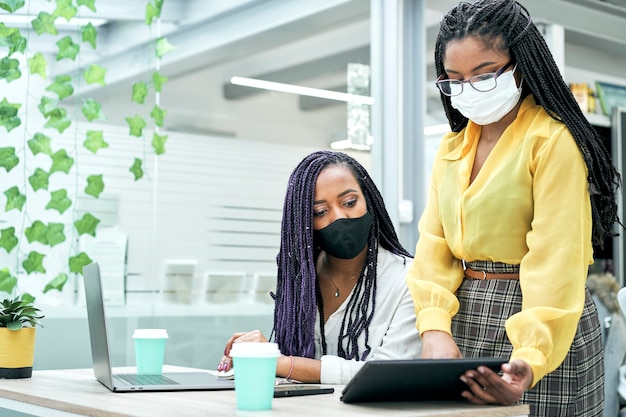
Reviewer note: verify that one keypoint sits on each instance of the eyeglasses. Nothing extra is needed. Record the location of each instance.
(482, 82)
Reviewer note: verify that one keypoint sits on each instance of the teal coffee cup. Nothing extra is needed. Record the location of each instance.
(149, 350)
(255, 373)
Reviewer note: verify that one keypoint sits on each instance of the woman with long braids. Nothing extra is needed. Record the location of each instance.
(521, 189)
(341, 295)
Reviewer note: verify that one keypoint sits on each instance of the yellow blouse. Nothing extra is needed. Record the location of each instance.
(528, 205)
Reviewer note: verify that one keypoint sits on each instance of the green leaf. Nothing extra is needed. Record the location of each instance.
(95, 185)
(65, 9)
(158, 143)
(136, 169)
(8, 159)
(87, 224)
(58, 120)
(56, 284)
(140, 91)
(38, 64)
(158, 80)
(163, 47)
(8, 240)
(37, 232)
(27, 298)
(62, 86)
(55, 234)
(12, 38)
(92, 110)
(11, 6)
(61, 162)
(95, 141)
(10, 69)
(8, 115)
(67, 48)
(90, 4)
(136, 124)
(77, 262)
(39, 180)
(88, 34)
(40, 143)
(47, 105)
(15, 199)
(34, 263)
(7, 281)
(44, 23)
(153, 10)
(158, 114)
(59, 201)
(95, 74)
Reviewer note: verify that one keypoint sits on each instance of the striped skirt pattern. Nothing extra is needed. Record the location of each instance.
(576, 388)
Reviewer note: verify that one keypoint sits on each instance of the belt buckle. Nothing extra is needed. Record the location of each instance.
(484, 275)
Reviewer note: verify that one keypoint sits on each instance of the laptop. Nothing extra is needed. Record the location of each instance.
(175, 381)
(413, 379)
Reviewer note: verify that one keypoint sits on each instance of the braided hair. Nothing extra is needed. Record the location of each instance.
(506, 25)
(298, 296)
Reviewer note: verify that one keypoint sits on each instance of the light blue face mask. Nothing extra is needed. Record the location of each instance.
(486, 107)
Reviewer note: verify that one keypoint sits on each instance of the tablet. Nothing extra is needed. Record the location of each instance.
(413, 379)
(295, 390)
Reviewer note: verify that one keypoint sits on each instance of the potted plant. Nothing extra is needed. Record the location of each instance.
(18, 321)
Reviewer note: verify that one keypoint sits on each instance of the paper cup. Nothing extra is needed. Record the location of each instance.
(149, 350)
(255, 373)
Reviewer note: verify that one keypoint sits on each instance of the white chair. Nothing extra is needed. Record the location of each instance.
(226, 287)
(180, 284)
(264, 282)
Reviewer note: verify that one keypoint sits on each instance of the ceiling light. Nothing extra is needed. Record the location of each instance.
(303, 91)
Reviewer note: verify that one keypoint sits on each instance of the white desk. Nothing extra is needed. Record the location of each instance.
(66, 393)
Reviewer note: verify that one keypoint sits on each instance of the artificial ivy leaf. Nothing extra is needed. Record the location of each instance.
(95, 185)
(87, 224)
(58, 120)
(163, 47)
(47, 105)
(158, 143)
(12, 39)
(57, 283)
(28, 299)
(38, 64)
(88, 34)
(8, 159)
(7, 239)
(158, 114)
(37, 232)
(136, 169)
(61, 162)
(92, 110)
(62, 86)
(65, 9)
(153, 10)
(15, 199)
(136, 125)
(90, 4)
(39, 180)
(55, 234)
(7, 281)
(77, 262)
(140, 91)
(158, 80)
(40, 143)
(11, 5)
(59, 201)
(95, 74)
(95, 141)
(8, 115)
(34, 262)
(10, 69)
(44, 23)
(67, 48)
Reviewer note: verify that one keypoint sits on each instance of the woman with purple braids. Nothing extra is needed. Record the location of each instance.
(341, 297)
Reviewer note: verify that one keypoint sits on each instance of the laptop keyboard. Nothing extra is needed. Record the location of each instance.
(145, 379)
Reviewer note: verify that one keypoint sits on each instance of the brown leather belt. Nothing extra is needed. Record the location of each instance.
(470, 273)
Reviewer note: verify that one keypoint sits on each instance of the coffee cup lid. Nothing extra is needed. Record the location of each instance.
(150, 334)
(255, 350)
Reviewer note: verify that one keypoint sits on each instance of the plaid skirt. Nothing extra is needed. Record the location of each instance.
(576, 388)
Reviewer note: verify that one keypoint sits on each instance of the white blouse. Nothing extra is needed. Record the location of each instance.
(392, 331)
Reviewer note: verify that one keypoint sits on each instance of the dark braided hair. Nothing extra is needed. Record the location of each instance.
(506, 25)
(298, 296)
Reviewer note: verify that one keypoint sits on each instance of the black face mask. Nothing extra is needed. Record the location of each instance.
(345, 238)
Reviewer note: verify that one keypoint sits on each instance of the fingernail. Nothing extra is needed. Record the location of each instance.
(463, 379)
(224, 351)
(219, 366)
